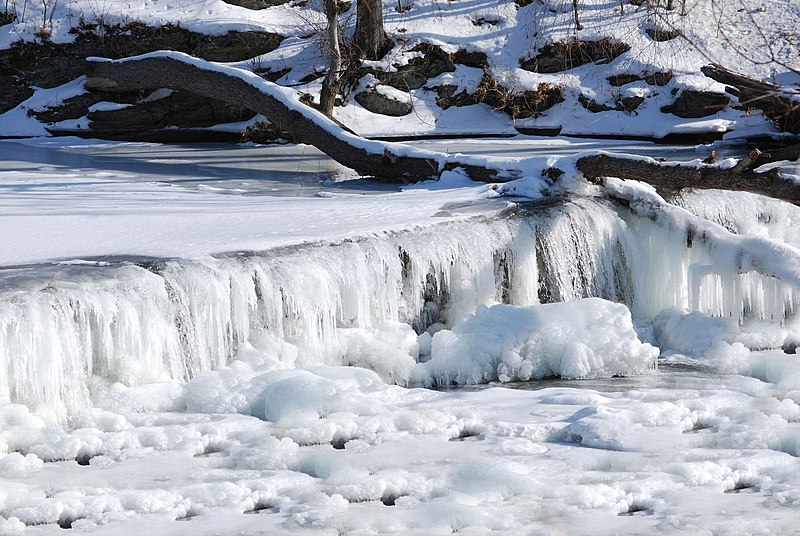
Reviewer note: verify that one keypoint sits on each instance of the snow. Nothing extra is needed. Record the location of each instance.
(581, 339)
(152, 381)
(62, 212)
(755, 40)
(447, 460)
(280, 427)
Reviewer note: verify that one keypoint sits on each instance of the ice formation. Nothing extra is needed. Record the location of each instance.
(140, 392)
(578, 339)
(373, 302)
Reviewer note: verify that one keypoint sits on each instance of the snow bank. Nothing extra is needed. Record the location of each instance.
(583, 339)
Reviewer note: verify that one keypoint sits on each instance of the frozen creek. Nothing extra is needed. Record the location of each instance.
(176, 396)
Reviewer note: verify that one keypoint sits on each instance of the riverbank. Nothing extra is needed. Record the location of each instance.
(484, 70)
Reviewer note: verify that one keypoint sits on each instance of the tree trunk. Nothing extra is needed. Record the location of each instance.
(370, 38)
(578, 26)
(332, 82)
(399, 162)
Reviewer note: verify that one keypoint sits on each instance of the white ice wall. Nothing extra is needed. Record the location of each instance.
(62, 334)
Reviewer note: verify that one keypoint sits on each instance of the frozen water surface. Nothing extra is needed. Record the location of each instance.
(169, 365)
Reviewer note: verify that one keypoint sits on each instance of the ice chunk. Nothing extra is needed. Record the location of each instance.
(692, 334)
(15, 465)
(587, 338)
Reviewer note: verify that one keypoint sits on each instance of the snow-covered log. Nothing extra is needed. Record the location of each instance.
(673, 176)
(402, 162)
(781, 105)
(175, 70)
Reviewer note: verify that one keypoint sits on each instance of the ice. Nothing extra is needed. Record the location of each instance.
(124, 336)
(175, 394)
(581, 339)
(693, 333)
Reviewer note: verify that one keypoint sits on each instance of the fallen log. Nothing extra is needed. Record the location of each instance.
(673, 177)
(783, 108)
(401, 162)
(282, 106)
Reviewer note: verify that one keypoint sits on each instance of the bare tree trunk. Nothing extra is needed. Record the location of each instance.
(577, 20)
(400, 162)
(370, 38)
(332, 81)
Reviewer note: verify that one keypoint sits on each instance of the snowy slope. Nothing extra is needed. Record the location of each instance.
(756, 37)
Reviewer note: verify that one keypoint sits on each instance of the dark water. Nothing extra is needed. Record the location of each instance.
(669, 376)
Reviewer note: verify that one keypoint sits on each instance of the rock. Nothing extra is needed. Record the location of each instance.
(417, 71)
(378, 103)
(693, 104)
(630, 104)
(256, 4)
(484, 21)
(237, 46)
(272, 76)
(265, 132)
(518, 105)
(662, 34)
(403, 80)
(627, 104)
(623, 79)
(566, 55)
(73, 108)
(177, 109)
(40, 64)
(446, 97)
(12, 92)
(655, 79)
(661, 78)
(594, 106)
(470, 59)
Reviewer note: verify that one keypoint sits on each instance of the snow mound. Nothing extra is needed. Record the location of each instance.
(587, 338)
(692, 334)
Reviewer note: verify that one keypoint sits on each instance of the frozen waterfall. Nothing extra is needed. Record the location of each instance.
(65, 330)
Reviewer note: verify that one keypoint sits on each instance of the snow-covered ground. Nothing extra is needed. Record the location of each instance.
(684, 452)
(756, 37)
